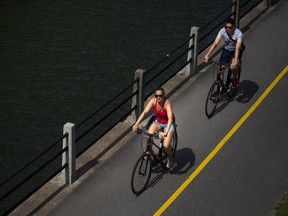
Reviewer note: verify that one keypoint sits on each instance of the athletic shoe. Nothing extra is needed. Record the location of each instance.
(169, 163)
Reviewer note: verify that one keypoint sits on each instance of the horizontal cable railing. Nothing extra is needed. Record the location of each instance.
(169, 54)
(32, 161)
(106, 104)
(175, 61)
(165, 68)
(36, 188)
(102, 119)
(217, 23)
(249, 9)
(228, 8)
(32, 174)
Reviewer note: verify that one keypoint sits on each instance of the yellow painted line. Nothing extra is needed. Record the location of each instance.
(220, 145)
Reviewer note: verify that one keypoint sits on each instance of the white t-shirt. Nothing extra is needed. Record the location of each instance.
(229, 44)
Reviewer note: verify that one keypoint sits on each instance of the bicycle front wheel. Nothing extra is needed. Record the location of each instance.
(141, 174)
(212, 100)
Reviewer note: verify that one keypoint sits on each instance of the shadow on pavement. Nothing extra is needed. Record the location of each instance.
(246, 91)
(184, 161)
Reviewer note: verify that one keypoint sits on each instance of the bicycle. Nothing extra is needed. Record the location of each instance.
(216, 92)
(143, 167)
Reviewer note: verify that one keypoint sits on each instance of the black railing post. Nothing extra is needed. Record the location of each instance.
(68, 175)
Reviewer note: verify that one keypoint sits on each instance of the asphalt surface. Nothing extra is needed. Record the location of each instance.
(249, 173)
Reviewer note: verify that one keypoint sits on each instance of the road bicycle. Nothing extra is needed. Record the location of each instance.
(216, 92)
(143, 167)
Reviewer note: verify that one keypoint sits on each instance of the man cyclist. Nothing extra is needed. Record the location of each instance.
(233, 49)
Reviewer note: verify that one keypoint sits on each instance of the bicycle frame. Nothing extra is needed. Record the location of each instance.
(231, 91)
(143, 167)
(223, 67)
(216, 92)
(161, 156)
(150, 143)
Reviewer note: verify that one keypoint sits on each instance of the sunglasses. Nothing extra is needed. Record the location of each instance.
(228, 27)
(158, 96)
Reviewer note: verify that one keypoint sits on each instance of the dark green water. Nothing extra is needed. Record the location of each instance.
(61, 60)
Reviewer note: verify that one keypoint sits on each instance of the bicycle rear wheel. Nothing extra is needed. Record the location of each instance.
(174, 143)
(141, 174)
(212, 99)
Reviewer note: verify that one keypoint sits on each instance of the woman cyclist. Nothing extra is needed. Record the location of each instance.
(165, 120)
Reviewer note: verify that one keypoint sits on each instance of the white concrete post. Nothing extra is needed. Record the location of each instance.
(138, 99)
(68, 175)
(193, 52)
(141, 88)
(236, 9)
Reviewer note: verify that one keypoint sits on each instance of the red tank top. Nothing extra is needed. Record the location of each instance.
(162, 116)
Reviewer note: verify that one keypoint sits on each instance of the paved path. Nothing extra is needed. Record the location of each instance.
(248, 174)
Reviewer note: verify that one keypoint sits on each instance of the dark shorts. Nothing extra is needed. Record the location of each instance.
(227, 55)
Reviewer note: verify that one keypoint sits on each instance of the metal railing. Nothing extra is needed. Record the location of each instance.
(76, 139)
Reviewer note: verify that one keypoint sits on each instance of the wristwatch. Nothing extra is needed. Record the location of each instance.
(165, 134)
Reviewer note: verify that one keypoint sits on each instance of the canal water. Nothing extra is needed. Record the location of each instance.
(62, 60)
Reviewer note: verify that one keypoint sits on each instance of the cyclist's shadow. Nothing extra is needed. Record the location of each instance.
(244, 94)
(184, 161)
(246, 91)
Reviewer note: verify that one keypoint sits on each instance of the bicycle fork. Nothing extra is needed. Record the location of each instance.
(143, 168)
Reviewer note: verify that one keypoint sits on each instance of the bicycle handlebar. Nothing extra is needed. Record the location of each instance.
(210, 61)
(220, 65)
(139, 131)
